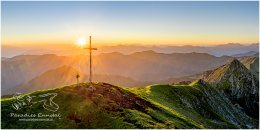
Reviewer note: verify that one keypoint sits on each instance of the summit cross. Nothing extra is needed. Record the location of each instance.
(90, 59)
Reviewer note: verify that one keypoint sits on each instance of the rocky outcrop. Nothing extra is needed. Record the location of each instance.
(239, 85)
(220, 104)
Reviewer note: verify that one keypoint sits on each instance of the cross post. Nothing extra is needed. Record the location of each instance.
(90, 59)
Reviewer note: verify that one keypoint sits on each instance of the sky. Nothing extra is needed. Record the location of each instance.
(146, 23)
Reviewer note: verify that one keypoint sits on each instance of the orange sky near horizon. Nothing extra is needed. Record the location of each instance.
(105, 41)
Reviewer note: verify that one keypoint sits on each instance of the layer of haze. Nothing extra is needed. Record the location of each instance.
(147, 23)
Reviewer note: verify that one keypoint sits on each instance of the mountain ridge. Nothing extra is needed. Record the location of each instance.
(238, 84)
(119, 107)
(217, 50)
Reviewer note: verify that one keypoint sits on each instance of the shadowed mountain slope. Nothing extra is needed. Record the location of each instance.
(239, 84)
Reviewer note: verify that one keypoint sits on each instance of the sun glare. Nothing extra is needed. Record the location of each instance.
(81, 41)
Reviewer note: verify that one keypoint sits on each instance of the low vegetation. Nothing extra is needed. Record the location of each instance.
(103, 105)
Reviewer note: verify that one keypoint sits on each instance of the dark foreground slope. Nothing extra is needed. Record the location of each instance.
(197, 105)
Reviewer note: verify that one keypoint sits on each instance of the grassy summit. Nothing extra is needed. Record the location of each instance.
(109, 106)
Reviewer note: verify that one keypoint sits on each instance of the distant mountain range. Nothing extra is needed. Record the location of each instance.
(135, 70)
(67, 76)
(218, 50)
(139, 66)
(226, 98)
(68, 49)
(250, 53)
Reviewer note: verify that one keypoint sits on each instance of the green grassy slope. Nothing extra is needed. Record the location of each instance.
(198, 103)
(108, 106)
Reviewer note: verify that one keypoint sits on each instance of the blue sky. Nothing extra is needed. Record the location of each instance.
(130, 22)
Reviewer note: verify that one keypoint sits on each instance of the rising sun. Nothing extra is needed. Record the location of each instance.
(81, 41)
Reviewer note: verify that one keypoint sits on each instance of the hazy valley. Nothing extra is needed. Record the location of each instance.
(226, 97)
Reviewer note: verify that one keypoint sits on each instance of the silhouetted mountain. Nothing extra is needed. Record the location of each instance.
(38, 52)
(4, 58)
(233, 48)
(218, 50)
(161, 66)
(250, 53)
(66, 75)
(23, 68)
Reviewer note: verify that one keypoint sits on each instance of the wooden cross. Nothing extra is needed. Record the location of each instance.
(90, 59)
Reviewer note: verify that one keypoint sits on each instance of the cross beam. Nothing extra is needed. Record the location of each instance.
(90, 59)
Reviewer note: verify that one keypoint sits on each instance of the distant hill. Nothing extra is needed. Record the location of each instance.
(61, 76)
(197, 105)
(10, 51)
(38, 52)
(250, 53)
(4, 58)
(233, 48)
(150, 65)
(66, 75)
(23, 68)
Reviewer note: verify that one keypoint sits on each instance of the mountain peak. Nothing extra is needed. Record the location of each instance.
(146, 52)
(232, 67)
(239, 84)
(235, 61)
(236, 64)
